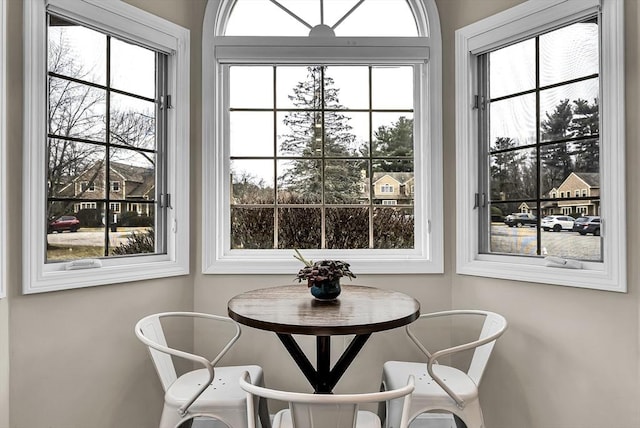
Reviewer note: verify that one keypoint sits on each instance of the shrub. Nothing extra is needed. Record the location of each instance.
(89, 218)
(137, 243)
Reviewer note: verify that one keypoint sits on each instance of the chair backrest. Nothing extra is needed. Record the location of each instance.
(325, 410)
(149, 331)
(493, 327)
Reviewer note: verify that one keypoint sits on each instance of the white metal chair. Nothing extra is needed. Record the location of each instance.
(326, 410)
(211, 391)
(443, 388)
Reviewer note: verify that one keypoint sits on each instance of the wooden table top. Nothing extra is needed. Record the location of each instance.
(291, 309)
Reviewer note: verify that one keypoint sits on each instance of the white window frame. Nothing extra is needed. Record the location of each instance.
(3, 144)
(125, 21)
(521, 22)
(427, 257)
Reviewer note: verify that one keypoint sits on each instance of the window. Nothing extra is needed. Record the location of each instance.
(3, 127)
(115, 186)
(305, 109)
(115, 104)
(389, 202)
(542, 122)
(386, 188)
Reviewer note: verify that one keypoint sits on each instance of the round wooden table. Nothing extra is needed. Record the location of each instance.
(291, 309)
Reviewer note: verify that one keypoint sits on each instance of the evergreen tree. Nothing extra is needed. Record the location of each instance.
(585, 123)
(556, 158)
(506, 174)
(317, 129)
(395, 141)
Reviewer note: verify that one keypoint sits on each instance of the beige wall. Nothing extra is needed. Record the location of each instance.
(75, 362)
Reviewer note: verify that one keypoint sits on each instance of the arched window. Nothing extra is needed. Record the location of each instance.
(305, 105)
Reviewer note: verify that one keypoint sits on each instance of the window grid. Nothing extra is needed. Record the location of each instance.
(539, 143)
(108, 144)
(322, 110)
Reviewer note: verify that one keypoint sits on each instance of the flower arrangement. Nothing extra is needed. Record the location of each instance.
(323, 270)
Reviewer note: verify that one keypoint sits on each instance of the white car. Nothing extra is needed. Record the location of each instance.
(557, 223)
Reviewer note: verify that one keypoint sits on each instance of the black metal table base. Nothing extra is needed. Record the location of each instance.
(323, 378)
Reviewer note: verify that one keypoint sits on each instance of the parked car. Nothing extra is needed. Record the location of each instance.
(66, 222)
(521, 219)
(557, 223)
(581, 221)
(590, 224)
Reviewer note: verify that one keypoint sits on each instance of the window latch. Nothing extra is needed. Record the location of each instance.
(165, 200)
(165, 102)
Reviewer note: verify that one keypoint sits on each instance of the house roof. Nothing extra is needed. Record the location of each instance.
(591, 178)
(400, 177)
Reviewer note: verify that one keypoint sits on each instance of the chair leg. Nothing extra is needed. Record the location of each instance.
(263, 413)
(458, 422)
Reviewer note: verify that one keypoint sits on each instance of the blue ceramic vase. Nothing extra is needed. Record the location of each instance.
(326, 290)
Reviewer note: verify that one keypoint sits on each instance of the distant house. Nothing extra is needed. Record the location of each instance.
(391, 188)
(576, 185)
(130, 189)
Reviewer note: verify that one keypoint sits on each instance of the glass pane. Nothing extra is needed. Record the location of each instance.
(517, 233)
(299, 228)
(252, 228)
(347, 228)
(76, 110)
(393, 187)
(358, 127)
(133, 122)
(262, 18)
(393, 228)
(569, 53)
(392, 87)
(76, 51)
(352, 86)
(339, 140)
(557, 163)
(250, 87)
(75, 230)
(392, 134)
(344, 181)
(138, 171)
(379, 19)
(75, 170)
(138, 238)
(570, 110)
(251, 133)
(290, 84)
(512, 69)
(512, 173)
(300, 181)
(133, 69)
(252, 182)
(371, 18)
(559, 237)
(300, 133)
(514, 119)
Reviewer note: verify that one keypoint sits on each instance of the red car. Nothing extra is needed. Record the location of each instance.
(66, 222)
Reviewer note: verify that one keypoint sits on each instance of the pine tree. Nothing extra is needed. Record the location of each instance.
(585, 123)
(556, 158)
(319, 133)
(395, 141)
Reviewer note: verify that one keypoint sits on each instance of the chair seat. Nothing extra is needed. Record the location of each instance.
(224, 392)
(364, 419)
(396, 373)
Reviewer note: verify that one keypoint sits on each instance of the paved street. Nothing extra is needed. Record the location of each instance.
(523, 240)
